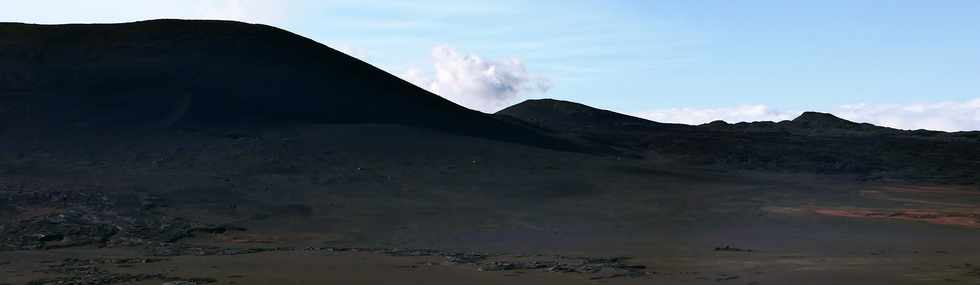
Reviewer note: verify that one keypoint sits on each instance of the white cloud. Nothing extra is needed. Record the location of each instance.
(476, 83)
(694, 116)
(943, 116)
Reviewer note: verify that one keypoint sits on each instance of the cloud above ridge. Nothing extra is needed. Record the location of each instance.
(695, 116)
(481, 84)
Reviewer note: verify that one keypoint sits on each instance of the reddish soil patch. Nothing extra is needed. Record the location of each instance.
(931, 190)
(957, 218)
(958, 197)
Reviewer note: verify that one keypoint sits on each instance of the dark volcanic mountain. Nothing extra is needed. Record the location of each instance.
(813, 142)
(174, 72)
(193, 152)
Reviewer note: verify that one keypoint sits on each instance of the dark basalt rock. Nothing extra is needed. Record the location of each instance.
(733, 249)
(54, 231)
(88, 218)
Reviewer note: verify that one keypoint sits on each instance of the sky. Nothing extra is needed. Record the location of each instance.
(903, 64)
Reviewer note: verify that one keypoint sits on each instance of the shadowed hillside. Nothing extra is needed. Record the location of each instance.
(812, 142)
(166, 73)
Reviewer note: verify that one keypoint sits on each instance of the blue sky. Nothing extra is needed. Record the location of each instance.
(907, 64)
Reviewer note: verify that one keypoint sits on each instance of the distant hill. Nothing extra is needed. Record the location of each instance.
(164, 73)
(809, 123)
(566, 115)
(824, 120)
(812, 142)
(588, 125)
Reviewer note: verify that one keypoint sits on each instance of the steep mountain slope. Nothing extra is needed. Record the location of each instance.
(813, 142)
(166, 73)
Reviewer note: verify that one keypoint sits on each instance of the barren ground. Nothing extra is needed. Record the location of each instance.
(370, 204)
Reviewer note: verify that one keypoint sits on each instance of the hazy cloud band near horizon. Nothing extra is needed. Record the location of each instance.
(942, 115)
